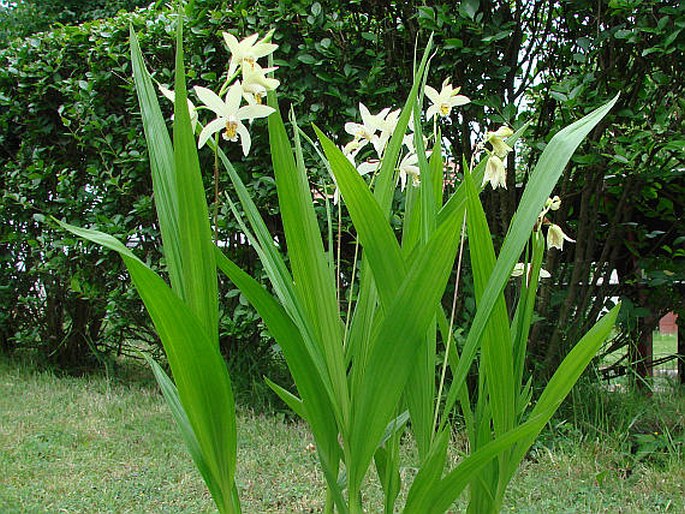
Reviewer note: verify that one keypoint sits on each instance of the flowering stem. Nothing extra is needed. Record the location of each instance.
(229, 81)
(449, 333)
(349, 301)
(216, 189)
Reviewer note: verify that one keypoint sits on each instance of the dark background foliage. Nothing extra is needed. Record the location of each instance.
(71, 147)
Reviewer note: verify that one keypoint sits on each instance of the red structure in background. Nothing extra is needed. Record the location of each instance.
(668, 324)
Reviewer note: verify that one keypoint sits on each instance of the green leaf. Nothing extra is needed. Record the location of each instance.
(543, 179)
(162, 165)
(204, 387)
(314, 281)
(565, 377)
(288, 398)
(198, 269)
(310, 377)
(496, 352)
(170, 394)
(396, 341)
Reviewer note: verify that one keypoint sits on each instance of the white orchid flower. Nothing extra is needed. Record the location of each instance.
(445, 100)
(496, 139)
(556, 237)
(192, 111)
(365, 132)
(553, 204)
(387, 127)
(229, 115)
(520, 267)
(256, 83)
(247, 51)
(409, 167)
(495, 172)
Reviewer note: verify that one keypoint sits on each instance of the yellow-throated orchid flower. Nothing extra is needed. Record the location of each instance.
(409, 167)
(229, 115)
(247, 51)
(365, 132)
(256, 83)
(496, 139)
(445, 100)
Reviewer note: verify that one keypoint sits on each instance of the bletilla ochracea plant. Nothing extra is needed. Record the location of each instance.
(364, 374)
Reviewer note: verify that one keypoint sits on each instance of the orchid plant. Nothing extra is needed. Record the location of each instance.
(364, 375)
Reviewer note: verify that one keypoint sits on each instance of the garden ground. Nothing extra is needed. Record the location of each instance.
(109, 444)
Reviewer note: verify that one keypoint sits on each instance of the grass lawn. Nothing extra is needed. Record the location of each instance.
(86, 445)
(664, 345)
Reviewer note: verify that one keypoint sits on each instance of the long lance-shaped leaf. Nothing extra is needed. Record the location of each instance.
(565, 377)
(496, 352)
(420, 390)
(198, 269)
(162, 165)
(317, 396)
(387, 460)
(204, 387)
(384, 267)
(438, 499)
(273, 263)
(381, 248)
(308, 339)
(543, 179)
(293, 402)
(396, 343)
(429, 473)
(314, 281)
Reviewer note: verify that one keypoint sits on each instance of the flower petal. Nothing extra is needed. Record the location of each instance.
(458, 100)
(262, 49)
(433, 110)
(432, 94)
(211, 100)
(233, 98)
(168, 93)
(245, 139)
(209, 129)
(250, 112)
(231, 41)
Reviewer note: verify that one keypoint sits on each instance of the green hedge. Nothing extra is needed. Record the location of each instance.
(72, 147)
